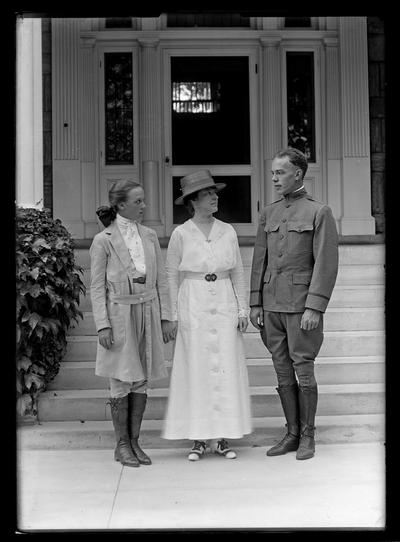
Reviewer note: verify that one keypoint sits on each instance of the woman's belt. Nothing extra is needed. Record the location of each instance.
(133, 299)
(209, 277)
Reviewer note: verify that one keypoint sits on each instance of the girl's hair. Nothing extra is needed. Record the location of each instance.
(118, 193)
(296, 157)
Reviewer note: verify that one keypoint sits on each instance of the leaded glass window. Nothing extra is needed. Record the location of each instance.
(301, 102)
(118, 108)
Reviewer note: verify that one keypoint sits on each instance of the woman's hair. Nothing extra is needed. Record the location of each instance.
(118, 193)
(187, 202)
(296, 157)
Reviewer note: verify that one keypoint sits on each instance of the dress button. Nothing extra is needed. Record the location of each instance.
(213, 311)
(288, 205)
(282, 237)
(278, 271)
(284, 220)
(280, 254)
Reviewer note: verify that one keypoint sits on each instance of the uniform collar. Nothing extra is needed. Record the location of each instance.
(299, 193)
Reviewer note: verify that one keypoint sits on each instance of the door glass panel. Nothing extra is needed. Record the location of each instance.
(234, 203)
(210, 110)
(301, 102)
(118, 108)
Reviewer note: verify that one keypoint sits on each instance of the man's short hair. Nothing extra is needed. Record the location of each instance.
(296, 157)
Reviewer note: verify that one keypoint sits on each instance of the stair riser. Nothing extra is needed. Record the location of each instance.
(333, 345)
(150, 439)
(348, 254)
(62, 409)
(83, 378)
(347, 274)
(341, 297)
(365, 320)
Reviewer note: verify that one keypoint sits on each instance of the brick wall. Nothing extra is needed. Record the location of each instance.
(47, 117)
(376, 66)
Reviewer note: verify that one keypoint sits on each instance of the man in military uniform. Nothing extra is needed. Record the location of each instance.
(294, 269)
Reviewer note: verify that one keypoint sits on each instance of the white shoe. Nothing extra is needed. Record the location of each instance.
(223, 449)
(198, 449)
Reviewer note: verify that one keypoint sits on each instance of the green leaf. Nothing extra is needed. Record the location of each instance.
(35, 273)
(40, 243)
(23, 363)
(24, 404)
(34, 319)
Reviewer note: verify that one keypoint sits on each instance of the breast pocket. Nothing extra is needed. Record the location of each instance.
(272, 231)
(300, 237)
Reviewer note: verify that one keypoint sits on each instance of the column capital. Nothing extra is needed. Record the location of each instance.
(270, 41)
(148, 42)
(330, 42)
(88, 42)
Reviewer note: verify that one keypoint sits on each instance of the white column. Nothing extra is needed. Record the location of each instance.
(29, 120)
(150, 115)
(333, 127)
(272, 108)
(67, 182)
(356, 174)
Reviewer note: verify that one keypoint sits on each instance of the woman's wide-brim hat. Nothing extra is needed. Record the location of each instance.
(197, 181)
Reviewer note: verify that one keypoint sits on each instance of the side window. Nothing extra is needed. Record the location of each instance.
(118, 109)
(300, 89)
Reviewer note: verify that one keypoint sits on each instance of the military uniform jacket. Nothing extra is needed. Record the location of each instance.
(295, 259)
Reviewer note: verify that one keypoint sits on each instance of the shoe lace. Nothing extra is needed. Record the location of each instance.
(198, 446)
(223, 445)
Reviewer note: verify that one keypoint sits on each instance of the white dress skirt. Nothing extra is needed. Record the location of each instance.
(209, 390)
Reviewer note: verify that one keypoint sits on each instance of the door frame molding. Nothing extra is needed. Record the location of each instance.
(252, 51)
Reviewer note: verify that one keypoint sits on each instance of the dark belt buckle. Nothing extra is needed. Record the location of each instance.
(140, 280)
(210, 277)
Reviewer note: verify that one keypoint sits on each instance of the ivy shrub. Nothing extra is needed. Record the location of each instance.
(48, 290)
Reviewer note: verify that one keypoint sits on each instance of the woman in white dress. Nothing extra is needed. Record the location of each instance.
(209, 391)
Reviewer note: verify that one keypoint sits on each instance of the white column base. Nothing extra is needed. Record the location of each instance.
(357, 226)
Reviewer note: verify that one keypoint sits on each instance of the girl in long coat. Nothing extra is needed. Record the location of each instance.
(209, 395)
(132, 313)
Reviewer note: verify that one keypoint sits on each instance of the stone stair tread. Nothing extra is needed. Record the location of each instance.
(254, 390)
(268, 421)
(259, 362)
(351, 333)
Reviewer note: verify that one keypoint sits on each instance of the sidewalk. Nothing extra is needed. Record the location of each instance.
(343, 486)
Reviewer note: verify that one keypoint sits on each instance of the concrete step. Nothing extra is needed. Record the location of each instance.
(85, 405)
(267, 431)
(343, 295)
(328, 370)
(336, 343)
(347, 274)
(348, 254)
(335, 319)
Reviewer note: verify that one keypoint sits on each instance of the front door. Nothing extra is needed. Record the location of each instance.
(210, 123)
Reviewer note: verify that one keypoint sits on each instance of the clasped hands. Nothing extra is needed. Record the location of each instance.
(309, 320)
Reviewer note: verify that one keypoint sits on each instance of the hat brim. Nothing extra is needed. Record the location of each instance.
(218, 186)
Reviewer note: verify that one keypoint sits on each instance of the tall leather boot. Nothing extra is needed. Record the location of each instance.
(119, 414)
(137, 405)
(308, 399)
(290, 405)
